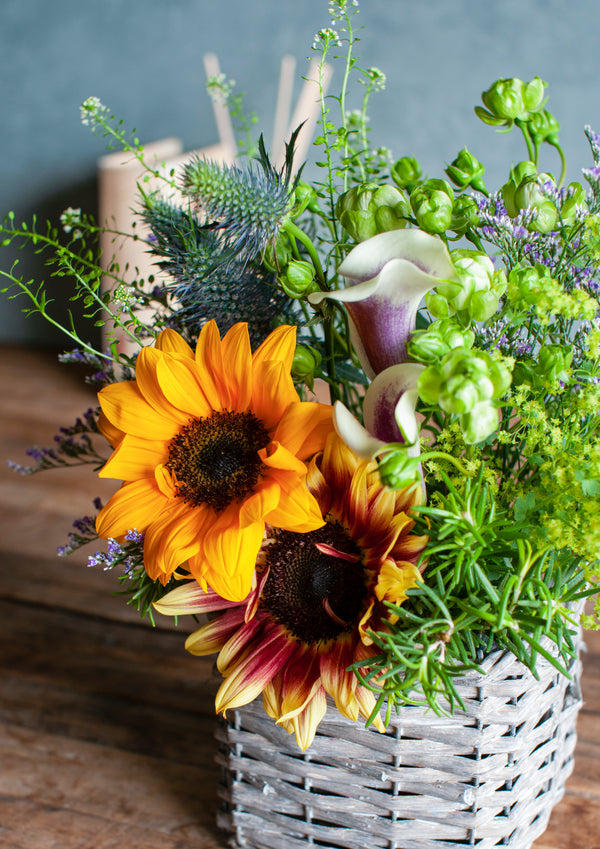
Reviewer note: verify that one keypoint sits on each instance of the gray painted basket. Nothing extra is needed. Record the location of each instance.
(488, 776)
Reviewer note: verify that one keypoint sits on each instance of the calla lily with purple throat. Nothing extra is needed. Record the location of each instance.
(389, 413)
(388, 276)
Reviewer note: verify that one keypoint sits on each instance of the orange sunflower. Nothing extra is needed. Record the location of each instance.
(317, 595)
(210, 445)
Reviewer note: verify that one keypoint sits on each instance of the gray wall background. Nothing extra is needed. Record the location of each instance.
(143, 58)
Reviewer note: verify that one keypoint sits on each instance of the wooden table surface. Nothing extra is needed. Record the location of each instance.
(106, 724)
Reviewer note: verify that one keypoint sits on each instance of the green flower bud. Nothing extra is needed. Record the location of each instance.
(527, 284)
(465, 215)
(369, 209)
(530, 195)
(460, 395)
(479, 423)
(483, 305)
(476, 292)
(465, 171)
(554, 363)
(517, 174)
(574, 201)
(509, 100)
(406, 172)
(306, 360)
(544, 127)
(463, 379)
(432, 203)
(438, 305)
(298, 279)
(397, 470)
(305, 197)
(437, 340)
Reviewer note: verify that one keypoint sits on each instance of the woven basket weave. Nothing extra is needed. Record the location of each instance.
(488, 776)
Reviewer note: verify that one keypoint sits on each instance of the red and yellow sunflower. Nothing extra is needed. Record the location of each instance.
(210, 445)
(317, 596)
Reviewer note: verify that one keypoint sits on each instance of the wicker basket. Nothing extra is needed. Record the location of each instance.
(485, 777)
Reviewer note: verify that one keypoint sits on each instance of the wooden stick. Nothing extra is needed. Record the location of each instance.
(222, 117)
(307, 110)
(282, 109)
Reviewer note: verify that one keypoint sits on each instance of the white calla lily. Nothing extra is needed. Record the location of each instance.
(388, 276)
(389, 412)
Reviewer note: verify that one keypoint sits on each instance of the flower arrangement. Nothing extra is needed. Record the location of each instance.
(444, 502)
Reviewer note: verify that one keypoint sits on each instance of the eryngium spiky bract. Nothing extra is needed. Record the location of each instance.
(247, 205)
(205, 286)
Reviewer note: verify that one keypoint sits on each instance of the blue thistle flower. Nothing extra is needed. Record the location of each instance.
(210, 280)
(248, 205)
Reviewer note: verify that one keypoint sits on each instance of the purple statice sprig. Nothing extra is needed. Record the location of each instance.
(104, 369)
(73, 446)
(135, 581)
(84, 532)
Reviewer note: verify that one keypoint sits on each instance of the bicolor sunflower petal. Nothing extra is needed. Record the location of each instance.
(317, 594)
(211, 444)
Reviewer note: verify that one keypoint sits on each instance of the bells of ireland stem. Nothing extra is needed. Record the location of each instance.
(369, 209)
(432, 203)
(543, 127)
(518, 172)
(465, 171)
(389, 413)
(535, 194)
(387, 277)
(297, 278)
(574, 204)
(305, 362)
(466, 383)
(554, 364)
(475, 293)
(406, 172)
(438, 339)
(510, 100)
(398, 470)
(465, 215)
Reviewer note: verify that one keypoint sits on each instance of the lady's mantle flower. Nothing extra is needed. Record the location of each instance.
(317, 595)
(388, 275)
(210, 447)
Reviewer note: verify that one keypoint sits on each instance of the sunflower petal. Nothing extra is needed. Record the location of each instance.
(130, 507)
(304, 427)
(298, 510)
(178, 377)
(134, 458)
(272, 393)
(305, 723)
(301, 680)
(173, 537)
(237, 353)
(279, 345)
(236, 647)
(191, 598)
(254, 672)
(211, 366)
(230, 557)
(212, 637)
(171, 342)
(111, 433)
(126, 409)
(149, 384)
(265, 498)
(338, 681)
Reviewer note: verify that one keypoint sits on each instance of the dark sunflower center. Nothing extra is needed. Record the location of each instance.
(317, 583)
(215, 459)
